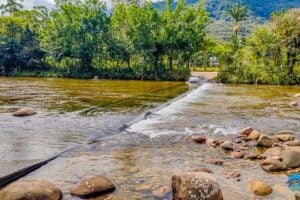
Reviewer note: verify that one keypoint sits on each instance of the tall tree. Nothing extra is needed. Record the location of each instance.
(11, 6)
(238, 12)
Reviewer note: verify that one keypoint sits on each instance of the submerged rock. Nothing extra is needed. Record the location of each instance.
(246, 131)
(260, 188)
(214, 161)
(203, 170)
(294, 103)
(199, 139)
(233, 175)
(31, 190)
(227, 145)
(195, 185)
(93, 185)
(161, 192)
(291, 158)
(24, 112)
(265, 141)
(273, 165)
(212, 142)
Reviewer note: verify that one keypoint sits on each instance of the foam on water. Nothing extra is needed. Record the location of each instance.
(161, 122)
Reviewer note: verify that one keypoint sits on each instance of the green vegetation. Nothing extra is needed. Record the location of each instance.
(79, 39)
(137, 41)
(270, 55)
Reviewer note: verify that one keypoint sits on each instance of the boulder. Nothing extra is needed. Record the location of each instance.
(274, 152)
(284, 137)
(93, 185)
(24, 112)
(254, 135)
(294, 103)
(260, 188)
(199, 139)
(265, 141)
(291, 158)
(272, 165)
(297, 95)
(161, 192)
(227, 145)
(237, 154)
(31, 190)
(246, 131)
(195, 185)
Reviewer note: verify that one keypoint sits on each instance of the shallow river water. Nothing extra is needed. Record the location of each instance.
(144, 157)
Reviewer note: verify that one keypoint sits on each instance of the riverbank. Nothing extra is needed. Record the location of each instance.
(145, 157)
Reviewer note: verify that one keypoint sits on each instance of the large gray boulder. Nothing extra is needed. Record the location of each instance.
(31, 190)
(195, 185)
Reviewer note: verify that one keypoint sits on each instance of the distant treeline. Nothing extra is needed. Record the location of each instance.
(80, 39)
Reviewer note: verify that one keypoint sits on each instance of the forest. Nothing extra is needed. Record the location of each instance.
(136, 40)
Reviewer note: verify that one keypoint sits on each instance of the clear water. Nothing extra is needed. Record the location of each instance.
(144, 157)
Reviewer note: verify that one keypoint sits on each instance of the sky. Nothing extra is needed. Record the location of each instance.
(30, 3)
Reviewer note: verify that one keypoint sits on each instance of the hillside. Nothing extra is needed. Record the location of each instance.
(221, 27)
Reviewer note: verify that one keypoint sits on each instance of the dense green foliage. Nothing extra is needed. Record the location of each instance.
(79, 39)
(270, 55)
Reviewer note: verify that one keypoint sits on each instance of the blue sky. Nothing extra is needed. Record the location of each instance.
(30, 3)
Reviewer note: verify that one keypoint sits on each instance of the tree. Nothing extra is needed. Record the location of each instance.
(76, 31)
(287, 25)
(239, 13)
(11, 6)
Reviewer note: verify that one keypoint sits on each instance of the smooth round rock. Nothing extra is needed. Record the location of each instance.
(31, 190)
(93, 185)
(24, 112)
(195, 185)
(260, 188)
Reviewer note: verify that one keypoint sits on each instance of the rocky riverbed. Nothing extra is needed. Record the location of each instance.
(200, 133)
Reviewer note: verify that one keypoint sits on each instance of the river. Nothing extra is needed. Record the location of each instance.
(145, 156)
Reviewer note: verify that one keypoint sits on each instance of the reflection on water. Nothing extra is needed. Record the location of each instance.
(70, 112)
(145, 157)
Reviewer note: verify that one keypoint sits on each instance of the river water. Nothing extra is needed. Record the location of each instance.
(144, 157)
